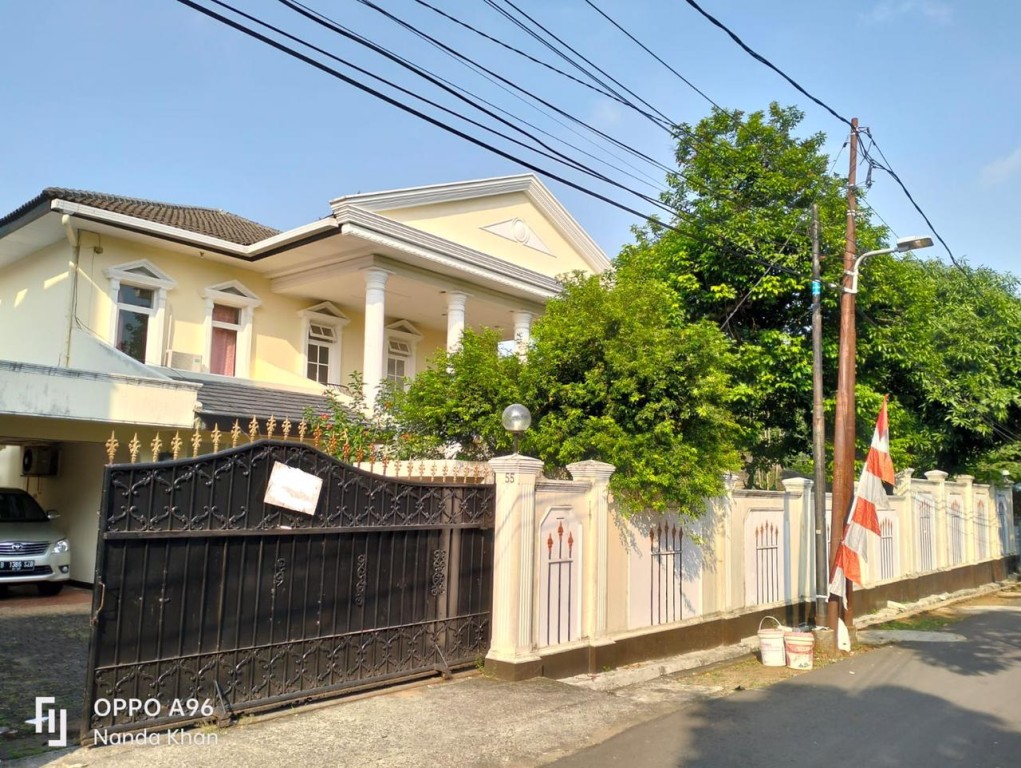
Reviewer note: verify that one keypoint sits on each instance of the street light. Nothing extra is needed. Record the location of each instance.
(516, 419)
(843, 432)
(904, 244)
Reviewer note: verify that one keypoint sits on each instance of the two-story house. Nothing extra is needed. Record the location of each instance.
(138, 316)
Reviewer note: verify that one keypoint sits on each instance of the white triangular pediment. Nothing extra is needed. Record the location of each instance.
(518, 231)
(403, 327)
(141, 272)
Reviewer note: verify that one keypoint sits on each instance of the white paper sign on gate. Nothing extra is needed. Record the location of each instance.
(294, 489)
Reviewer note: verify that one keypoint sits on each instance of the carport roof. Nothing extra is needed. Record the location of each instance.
(223, 400)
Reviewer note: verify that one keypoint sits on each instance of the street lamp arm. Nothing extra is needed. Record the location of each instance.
(853, 273)
(903, 244)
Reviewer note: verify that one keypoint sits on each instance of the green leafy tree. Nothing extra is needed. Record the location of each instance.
(614, 375)
(738, 254)
(459, 399)
(946, 342)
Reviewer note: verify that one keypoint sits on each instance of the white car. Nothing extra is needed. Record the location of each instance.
(32, 549)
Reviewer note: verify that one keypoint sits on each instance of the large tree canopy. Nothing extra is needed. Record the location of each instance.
(941, 341)
(738, 253)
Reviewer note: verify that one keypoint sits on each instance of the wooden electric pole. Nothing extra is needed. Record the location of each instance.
(843, 429)
(818, 431)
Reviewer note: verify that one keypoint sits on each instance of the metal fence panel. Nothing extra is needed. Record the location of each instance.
(206, 592)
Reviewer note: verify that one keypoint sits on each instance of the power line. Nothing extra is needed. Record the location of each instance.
(457, 54)
(333, 26)
(663, 120)
(763, 60)
(766, 62)
(518, 51)
(642, 45)
(434, 121)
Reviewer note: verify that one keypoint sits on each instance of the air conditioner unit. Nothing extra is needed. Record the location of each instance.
(184, 361)
(39, 460)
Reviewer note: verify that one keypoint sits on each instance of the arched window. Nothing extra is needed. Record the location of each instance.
(228, 326)
(322, 331)
(138, 290)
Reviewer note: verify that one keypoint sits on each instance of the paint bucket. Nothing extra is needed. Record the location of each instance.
(771, 643)
(800, 648)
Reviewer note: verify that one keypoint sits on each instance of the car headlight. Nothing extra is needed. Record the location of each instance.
(61, 546)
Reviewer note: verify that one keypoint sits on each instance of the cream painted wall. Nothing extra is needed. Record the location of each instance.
(34, 304)
(463, 221)
(278, 352)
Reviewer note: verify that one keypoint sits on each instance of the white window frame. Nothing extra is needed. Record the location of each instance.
(402, 331)
(142, 274)
(325, 314)
(231, 294)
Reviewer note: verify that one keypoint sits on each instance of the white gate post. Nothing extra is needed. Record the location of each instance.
(595, 562)
(512, 653)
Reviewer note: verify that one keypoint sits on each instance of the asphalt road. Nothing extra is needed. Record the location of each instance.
(914, 704)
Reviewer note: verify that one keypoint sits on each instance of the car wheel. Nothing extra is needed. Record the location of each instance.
(49, 588)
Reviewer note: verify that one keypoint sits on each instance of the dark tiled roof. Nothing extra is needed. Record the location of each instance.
(203, 221)
(223, 398)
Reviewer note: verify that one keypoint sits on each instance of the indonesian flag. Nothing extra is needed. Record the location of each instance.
(869, 495)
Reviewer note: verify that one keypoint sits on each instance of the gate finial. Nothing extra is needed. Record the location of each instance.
(134, 446)
(111, 447)
(156, 444)
(235, 434)
(253, 429)
(216, 434)
(286, 428)
(302, 429)
(175, 445)
(271, 426)
(196, 441)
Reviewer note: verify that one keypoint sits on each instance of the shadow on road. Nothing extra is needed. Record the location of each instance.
(883, 726)
(991, 647)
(892, 707)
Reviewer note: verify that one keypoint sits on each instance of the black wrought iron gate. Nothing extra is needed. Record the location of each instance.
(209, 599)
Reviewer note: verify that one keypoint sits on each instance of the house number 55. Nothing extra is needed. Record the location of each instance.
(508, 478)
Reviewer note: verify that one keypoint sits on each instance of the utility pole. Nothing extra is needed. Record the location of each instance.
(818, 431)
(843, 430)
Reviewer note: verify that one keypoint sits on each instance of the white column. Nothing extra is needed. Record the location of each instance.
(514, 561)
(970, 550)
(375, 332)
(522, 332)
(939, 477)
(800, 548)
(455, 319)
(595, 563)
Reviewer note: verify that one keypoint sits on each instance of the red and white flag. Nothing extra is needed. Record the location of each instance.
(868, 497)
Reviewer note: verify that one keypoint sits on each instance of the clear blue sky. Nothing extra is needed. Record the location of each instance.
(151, 99)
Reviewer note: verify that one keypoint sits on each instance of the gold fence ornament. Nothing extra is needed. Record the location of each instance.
(253, 429)
(134, 446)
(302, 429)
(235, 434)
(175, 445)
(111, 447)
(271, 426)
(196, 442)
(216, 434)
(285, 428)
(156, 444)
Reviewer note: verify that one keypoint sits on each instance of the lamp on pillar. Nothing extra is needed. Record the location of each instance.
(843, 432)
(516, 419)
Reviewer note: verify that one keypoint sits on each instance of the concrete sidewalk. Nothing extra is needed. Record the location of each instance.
(470, 721)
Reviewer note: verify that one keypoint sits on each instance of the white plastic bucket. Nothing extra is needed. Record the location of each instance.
(800, 648)
(771, 643)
